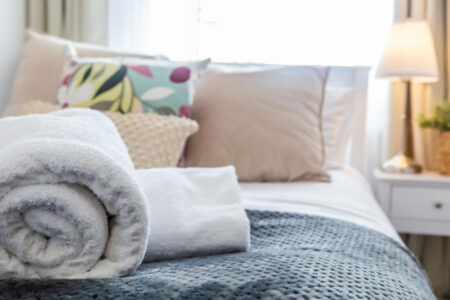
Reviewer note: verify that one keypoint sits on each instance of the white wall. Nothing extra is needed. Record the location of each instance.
(12, 25)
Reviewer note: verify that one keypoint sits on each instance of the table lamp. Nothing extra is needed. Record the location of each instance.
(409, 57)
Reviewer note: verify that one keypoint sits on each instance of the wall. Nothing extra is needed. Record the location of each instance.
(12, 24)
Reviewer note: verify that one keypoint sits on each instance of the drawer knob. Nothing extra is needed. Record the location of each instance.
(438, 205)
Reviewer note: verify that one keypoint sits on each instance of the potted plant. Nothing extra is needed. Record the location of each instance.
(440, 121)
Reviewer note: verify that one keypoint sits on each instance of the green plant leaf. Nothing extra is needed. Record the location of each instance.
(440, 120)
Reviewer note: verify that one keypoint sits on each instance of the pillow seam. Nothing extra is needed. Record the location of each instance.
(320, 116)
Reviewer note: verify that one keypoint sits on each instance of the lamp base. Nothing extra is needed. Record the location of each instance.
(401, 164)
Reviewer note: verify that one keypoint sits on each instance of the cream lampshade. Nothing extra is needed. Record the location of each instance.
(409, 56)
(410, 53)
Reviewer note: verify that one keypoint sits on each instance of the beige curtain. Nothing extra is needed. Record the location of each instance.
(78, 20)
(433, 252)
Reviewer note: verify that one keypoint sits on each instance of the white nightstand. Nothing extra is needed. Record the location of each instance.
(416, 203)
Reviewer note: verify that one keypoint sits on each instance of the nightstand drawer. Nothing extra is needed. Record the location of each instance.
(420, 203)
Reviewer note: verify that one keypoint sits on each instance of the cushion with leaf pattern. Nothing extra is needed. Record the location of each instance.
(130, 85)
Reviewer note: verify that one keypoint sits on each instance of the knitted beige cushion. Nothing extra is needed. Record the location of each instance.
(153, 141)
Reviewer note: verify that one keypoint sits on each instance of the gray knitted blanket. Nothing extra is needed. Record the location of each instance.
(292, 257)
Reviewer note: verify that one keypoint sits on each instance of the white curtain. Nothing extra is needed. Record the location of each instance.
(78, 20)
(12, 25)
(127, 25)
(166, 27)
(432, 251)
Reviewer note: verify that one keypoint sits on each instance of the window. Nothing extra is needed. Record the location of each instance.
(325, 32)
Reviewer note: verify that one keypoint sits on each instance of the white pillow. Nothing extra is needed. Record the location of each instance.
(337, 114)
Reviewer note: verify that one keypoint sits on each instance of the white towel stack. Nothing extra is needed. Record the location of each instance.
(72, 205)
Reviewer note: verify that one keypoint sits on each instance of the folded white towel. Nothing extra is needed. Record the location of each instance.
(70, 205)
(194, 211)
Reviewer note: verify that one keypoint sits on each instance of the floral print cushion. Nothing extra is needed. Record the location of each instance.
(130, 85)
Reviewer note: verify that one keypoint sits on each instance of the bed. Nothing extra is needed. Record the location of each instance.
(310, 240)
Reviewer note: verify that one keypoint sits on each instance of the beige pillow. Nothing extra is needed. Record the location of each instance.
(153, 141)
(39, 72)
(266, 123)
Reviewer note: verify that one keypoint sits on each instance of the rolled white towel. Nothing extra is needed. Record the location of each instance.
(194, 212)
(70, 205)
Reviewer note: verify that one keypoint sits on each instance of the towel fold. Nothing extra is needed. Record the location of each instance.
(194, 212)
(70, 204)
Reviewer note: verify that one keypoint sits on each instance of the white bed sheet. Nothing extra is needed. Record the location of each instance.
(347, 197)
